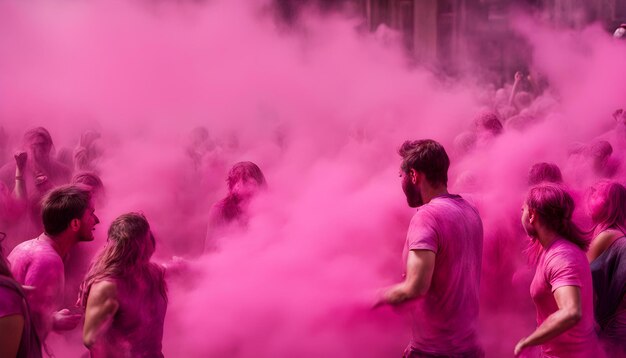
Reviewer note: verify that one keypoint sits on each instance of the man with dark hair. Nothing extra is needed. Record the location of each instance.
(68, 218)
(443, 254)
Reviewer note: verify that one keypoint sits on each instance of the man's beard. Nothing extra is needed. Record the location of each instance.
(531, 232)
(413, 196)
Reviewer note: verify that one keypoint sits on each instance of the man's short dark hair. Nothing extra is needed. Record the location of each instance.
(426, 156)
(61, 205)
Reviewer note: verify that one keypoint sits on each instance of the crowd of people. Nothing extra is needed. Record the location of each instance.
(122, 299)
(577, 287)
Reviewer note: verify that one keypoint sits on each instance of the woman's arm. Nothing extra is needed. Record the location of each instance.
(102, 304)
(11, 328)
(567, 316)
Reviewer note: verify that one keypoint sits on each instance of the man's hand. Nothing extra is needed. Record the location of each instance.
(64, 320)
(520, 346)
(518, 76)
(20, 160)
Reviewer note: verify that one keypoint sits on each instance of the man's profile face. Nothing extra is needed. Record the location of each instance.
(411, 189)
(88, 223)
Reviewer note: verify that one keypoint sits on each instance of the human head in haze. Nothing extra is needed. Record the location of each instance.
(244, 180)
(606, 205)
(124, 294)
(92, 182)
(562, 288)
(38, 144)
(199, 144)
(544, 172)
(548, 210)
(603, 163)
(424, 170)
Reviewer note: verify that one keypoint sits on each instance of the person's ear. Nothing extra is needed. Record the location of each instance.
(75, 224)
(532, 215)
(413, 175)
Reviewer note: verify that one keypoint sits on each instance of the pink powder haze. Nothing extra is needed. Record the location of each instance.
(321, 108)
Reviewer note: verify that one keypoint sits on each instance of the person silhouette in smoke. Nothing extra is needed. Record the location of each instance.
(245, 180)
(443, 255)
(41, 168)
(561, 288)
(68, 218)
(124, 294)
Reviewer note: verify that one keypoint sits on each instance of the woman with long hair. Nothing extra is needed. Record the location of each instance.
(561, 288)
(124, 294)
(606, 204)
(18, 337)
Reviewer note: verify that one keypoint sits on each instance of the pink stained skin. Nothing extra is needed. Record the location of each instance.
(333, 224)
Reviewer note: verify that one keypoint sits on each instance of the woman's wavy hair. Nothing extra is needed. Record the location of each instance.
(554, 207)
(611, 210)
(127, 253)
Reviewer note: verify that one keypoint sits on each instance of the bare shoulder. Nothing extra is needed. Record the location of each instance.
(602, 242)
(104, 289)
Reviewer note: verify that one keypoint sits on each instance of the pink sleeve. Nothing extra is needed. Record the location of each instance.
(422, 234)
(563, 269)
(10, 302)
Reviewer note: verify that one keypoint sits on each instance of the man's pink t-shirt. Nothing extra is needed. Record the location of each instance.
(445, 320)
(35, 263)
(563, 263)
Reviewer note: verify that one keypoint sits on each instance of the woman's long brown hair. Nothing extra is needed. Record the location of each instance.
(127, 253)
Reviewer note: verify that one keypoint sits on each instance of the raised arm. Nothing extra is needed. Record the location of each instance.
(419, 272)
(518, 78)
(567, 316)
(20, 184)
(102, 304)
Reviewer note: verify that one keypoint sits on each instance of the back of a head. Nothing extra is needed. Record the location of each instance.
(127, 237)
(544, 172)
(426, 156)
(61, 205)
(90, 179)
(601, 149)
(489, 121)
(607, 204)
(38, 132)
(554, 207)
(245, 170)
